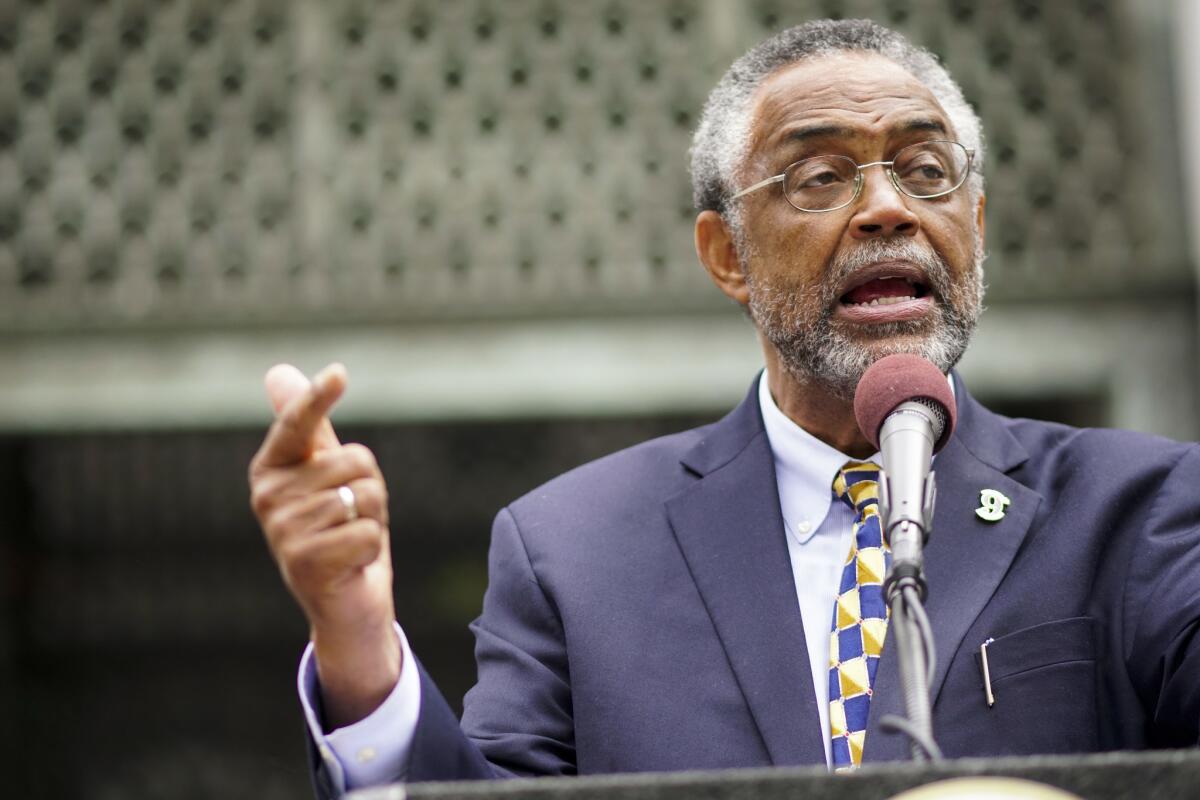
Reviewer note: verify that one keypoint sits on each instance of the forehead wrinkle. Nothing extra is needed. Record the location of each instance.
(926, 108)
(840, 100)
(869, 106)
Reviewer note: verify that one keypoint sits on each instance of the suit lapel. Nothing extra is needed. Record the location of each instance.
(966, 557)
(730, 530)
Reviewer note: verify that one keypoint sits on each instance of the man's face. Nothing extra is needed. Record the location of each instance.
(835, 291)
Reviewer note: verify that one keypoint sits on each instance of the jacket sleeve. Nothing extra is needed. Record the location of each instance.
(1162, 609)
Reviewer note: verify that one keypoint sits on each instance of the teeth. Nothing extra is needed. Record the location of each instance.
(885, 301)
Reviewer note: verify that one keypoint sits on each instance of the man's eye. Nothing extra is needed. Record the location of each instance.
(925, 170)
(818, 179)
(818, 173)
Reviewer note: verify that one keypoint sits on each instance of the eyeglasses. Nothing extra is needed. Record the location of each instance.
(827, 183)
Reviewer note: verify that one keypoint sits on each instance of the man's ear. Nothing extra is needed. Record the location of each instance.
(715, 247)
(980, 222)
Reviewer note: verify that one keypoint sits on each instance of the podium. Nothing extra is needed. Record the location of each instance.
(1105, 776)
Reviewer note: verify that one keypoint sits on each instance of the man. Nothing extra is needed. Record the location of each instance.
(670, 606)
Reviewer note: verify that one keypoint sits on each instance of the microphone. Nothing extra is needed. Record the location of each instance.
(904, 406)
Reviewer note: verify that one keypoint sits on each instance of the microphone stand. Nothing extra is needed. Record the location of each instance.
(904, 590)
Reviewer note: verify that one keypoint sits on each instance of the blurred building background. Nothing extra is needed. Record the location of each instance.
(482, 208)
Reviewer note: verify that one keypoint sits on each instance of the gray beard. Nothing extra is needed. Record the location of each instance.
(814, 349)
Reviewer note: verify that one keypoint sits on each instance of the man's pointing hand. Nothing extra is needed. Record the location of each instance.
(334, 557)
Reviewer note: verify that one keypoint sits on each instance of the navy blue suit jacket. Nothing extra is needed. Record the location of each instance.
(641, 612)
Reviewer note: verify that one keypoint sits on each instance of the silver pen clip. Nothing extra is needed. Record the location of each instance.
(987, 675)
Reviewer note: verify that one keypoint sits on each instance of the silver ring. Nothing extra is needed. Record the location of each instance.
(349, 502)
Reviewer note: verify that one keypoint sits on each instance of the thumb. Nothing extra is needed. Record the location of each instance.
(284, 383)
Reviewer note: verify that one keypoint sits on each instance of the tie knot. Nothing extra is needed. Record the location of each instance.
(857, 485)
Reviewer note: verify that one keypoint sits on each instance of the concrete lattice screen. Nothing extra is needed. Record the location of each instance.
(198, 164)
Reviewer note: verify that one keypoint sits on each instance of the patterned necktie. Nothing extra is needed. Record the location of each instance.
(859, 616)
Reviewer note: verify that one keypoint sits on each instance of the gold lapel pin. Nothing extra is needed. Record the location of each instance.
(991, 505)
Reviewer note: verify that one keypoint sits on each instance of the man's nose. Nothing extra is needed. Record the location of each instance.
(880, 210)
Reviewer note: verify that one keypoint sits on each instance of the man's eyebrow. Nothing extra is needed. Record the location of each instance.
(840, 131)
(932, 125)
(818, 132)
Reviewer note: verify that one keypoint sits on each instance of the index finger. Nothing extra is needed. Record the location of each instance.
(285, 383)
(292, 437)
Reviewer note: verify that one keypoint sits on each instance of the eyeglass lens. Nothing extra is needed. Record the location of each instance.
(928, 169)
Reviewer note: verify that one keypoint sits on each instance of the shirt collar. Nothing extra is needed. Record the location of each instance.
(804, 468)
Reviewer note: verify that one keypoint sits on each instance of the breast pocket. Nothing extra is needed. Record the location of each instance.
(1043, 680)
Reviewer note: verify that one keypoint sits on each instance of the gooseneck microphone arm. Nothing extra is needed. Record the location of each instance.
(904, 407)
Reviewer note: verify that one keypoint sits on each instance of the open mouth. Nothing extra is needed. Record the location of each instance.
(885, 291)
(890, 292)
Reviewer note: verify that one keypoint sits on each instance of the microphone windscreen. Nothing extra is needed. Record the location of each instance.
(895, 379)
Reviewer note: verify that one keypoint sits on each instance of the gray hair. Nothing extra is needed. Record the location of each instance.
(721, 141)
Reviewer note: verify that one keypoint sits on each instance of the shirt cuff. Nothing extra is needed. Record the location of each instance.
(375, 749)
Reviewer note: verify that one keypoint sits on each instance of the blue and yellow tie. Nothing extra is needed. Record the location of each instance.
(859, 616)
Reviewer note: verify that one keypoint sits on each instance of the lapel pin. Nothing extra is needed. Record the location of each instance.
(991, 505)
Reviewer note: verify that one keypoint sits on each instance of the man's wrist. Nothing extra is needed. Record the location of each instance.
(356, 673)
(374, 750)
